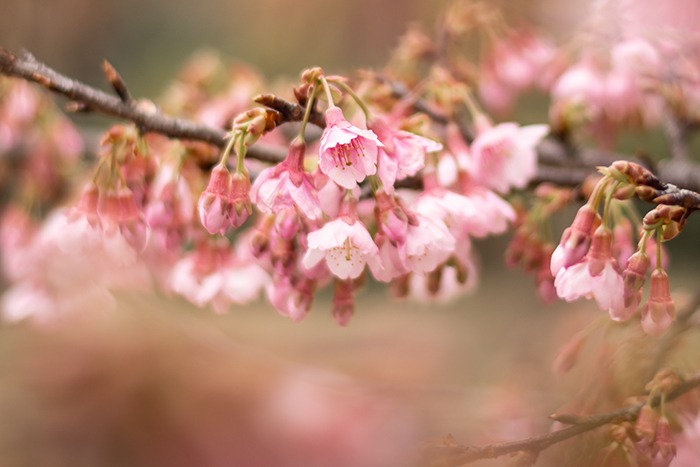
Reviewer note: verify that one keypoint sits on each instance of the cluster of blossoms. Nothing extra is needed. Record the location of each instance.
(329, 213)
(588, 260)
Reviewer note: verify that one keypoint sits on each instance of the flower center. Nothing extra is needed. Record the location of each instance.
(345, 153)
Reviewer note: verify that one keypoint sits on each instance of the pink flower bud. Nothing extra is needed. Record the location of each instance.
(343, 302)
(664, 443)
(213, 206)
(239, 200)
(645, 428)
(660, 311)
(119, 211)
(635, 275)
(391, 216)
(600, 252)
(576, 239)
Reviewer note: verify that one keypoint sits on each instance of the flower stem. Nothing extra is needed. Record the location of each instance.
(355, 97)
(232, 137)
(307, 111)
(241, 150)
(327, 88)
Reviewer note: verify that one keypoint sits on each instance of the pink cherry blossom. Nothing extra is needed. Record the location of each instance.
(170, 208)
(345, 245)
(287, 184)
(606, 288)
(225, 202)
(505, 155)
(214, 275)
(293, 301)
(390, 264)
(347, 153)
(428, 244)
(403, 153)
(660, 311)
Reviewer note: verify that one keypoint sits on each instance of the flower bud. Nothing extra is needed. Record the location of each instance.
(660, 311)
(635, 275)
(239, 199)
(645, 428)
(576, 239)
(213, 204)
(664, 442)
(601, 250)
(343, 302)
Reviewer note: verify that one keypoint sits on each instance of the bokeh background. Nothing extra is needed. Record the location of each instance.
(478, 368)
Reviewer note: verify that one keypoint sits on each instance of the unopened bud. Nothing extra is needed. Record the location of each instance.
(601, 251)
(343, 302)
(645, 428)
(634, 275)
(660, 311)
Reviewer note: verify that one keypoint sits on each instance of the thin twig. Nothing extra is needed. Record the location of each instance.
(459, 455)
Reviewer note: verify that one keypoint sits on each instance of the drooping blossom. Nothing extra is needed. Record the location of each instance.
(597, 276)
(347, 153)
(291, 298)
(287, 184)
(390, 264)
(170, 207)
(120, 215)
(660, 310)
(225, 203)
(575, 240)
(428, 244)
(392, 216)
(344, 244)
(73, 266)
(213, 274)
(343, 302)
(505, 155)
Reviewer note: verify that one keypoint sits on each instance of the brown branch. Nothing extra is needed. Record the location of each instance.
(559, 162)
(147, 118)
(459, 455)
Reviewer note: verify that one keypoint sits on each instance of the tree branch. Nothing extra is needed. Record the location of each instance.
(559, 162)
(146, 117)
(459, 455)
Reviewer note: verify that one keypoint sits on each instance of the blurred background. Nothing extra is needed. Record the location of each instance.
(164, 374)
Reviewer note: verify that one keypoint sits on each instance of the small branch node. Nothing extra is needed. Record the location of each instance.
(117, 82)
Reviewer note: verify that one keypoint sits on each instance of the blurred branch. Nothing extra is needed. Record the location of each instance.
(458, 455)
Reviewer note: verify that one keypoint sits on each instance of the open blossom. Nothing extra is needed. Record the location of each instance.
(597, 276)
(287, 184)
(428, 244)
(403, 153)
(215, 275)
(577, 282)
(347, 153)
(345, 245)
(505, 156)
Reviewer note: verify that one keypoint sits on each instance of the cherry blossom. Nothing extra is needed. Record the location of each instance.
(347, 153)
(287, 184)
(505, 156)
(402, 154)
(344, 244)
(214, 275)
